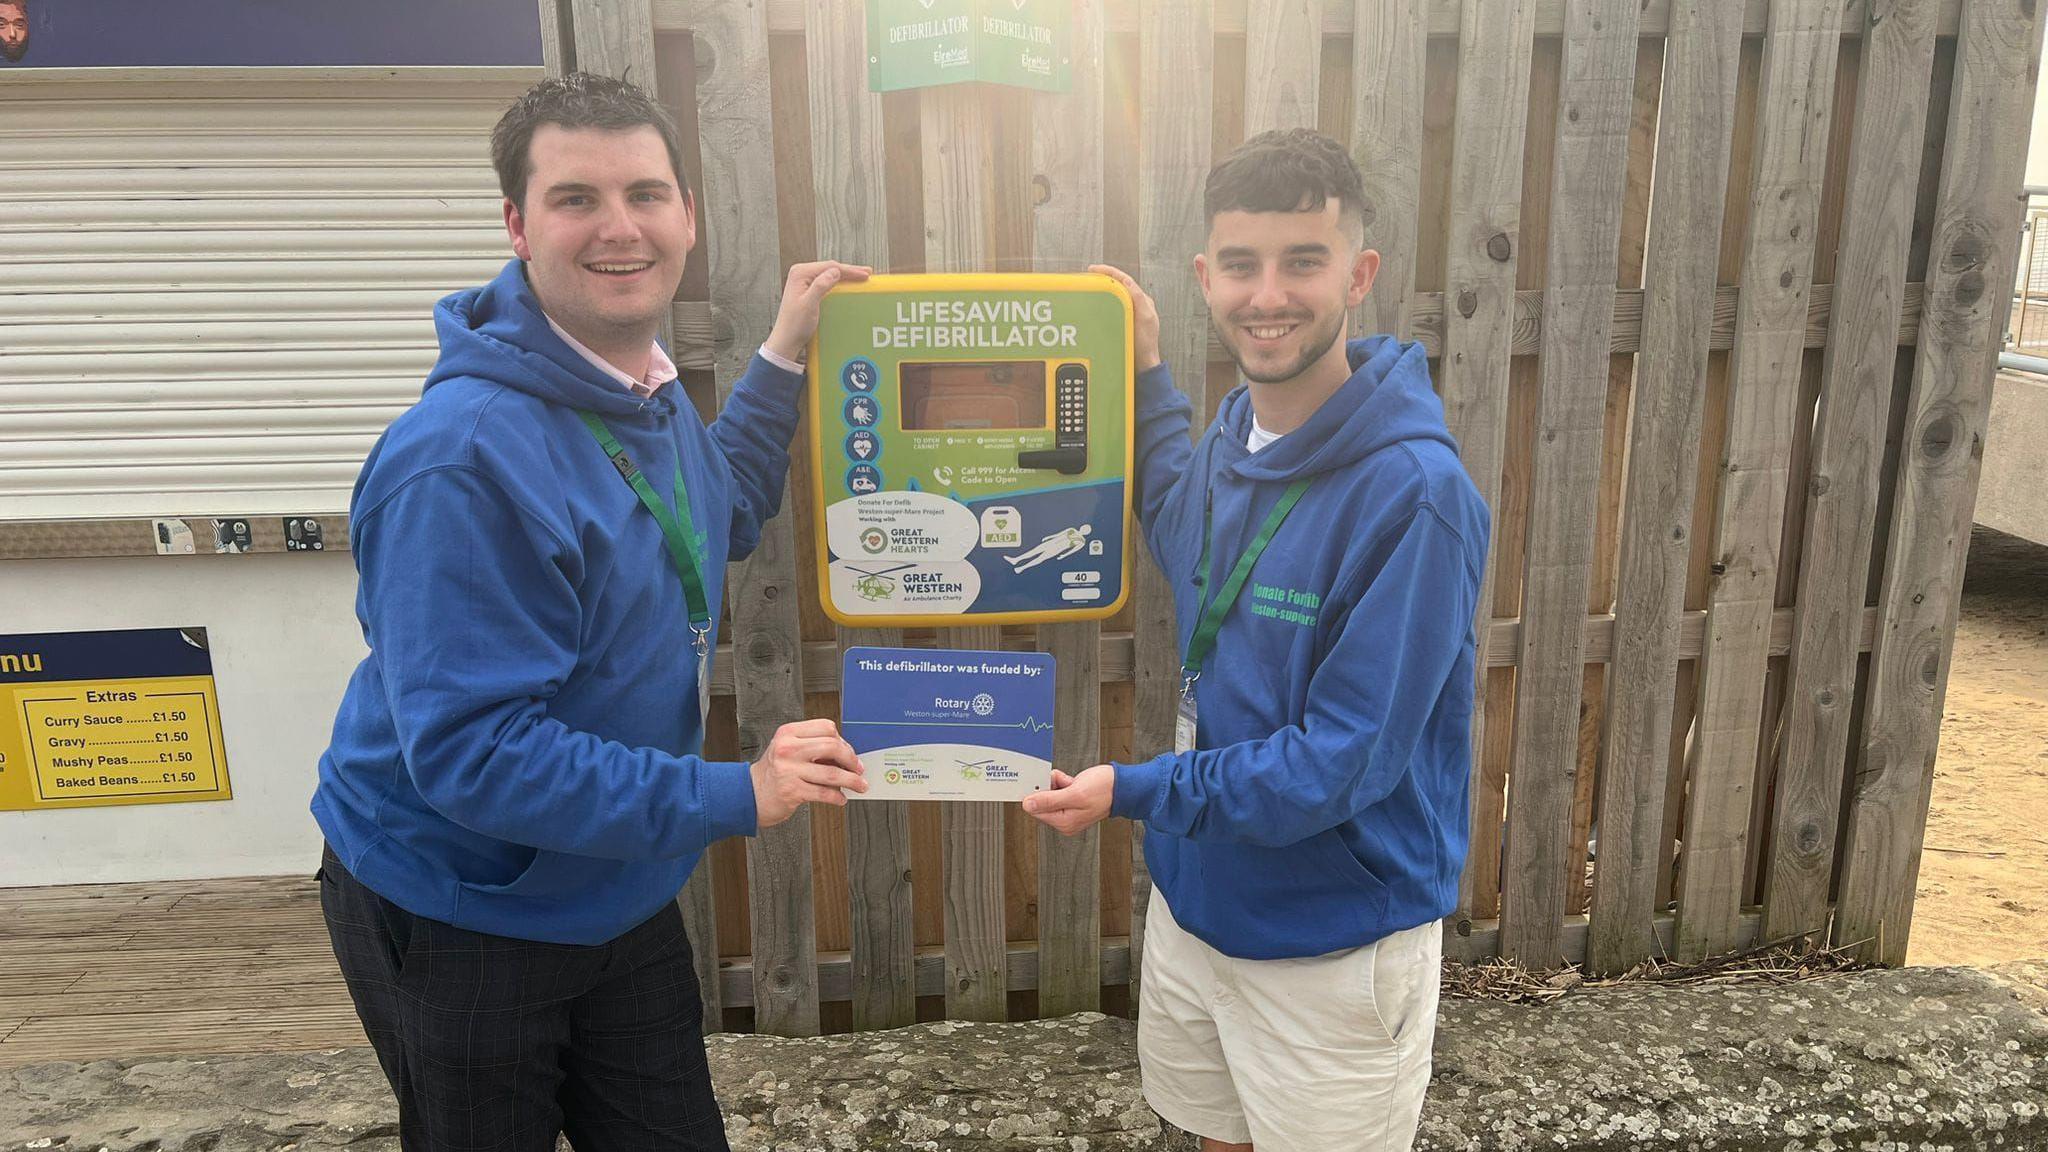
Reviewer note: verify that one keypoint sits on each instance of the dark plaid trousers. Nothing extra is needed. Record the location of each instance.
(502, 1044)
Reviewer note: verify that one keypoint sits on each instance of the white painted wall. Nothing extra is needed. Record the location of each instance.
(284, 637)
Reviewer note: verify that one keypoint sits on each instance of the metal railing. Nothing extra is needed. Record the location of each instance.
(2028, 330)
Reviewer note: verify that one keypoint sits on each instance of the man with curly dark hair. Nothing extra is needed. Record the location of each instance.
(1306, 834)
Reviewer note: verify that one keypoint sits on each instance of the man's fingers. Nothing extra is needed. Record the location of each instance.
(830, 777)
(1114, 273)
(813, 727)
(824, 750)
(822, 282)
(816, 795)
(1046, 803)
(1061, 779)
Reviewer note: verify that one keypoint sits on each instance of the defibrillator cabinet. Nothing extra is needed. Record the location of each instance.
(971, 448)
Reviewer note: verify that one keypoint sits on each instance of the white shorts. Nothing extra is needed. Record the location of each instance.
(1325, 1054)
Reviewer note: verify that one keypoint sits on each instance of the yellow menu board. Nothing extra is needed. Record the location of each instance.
(102, 718)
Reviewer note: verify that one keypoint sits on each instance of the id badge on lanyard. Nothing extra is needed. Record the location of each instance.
(1184, 719)
(702, 642)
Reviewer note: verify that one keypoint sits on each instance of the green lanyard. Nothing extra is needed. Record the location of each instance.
(1211, 619)
(676, 529)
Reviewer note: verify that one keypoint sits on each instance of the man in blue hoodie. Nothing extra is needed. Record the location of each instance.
(514, 792)
(1325, 549)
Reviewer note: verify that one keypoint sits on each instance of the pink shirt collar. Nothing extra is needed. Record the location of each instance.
(660, 369)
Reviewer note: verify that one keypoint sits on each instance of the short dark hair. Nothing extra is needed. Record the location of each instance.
(1287, 170)
(578, 100)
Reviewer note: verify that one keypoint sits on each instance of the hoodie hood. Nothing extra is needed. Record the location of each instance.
(1388, 400)
(498, 333)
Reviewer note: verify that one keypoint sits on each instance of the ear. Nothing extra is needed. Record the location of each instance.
(515, 227)
(1364, 270)
(689, 221)
(1202, 274)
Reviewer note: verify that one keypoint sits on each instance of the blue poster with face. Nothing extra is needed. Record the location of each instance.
(939, 724)
(267, 33)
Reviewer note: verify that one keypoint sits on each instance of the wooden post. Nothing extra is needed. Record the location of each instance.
(1848, 446)
(616, 38)
(1479, 298)
(848, 160)
(737, 133)
(1177, 52)
(1597, 83)
(959, 130)
(1794, 108)
(1283, 55)
(557, 38)
(1967, 305)
(1066, 142)
(1387, 50)
(1698, 101)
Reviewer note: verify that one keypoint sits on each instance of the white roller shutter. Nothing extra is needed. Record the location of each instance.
(215, 289)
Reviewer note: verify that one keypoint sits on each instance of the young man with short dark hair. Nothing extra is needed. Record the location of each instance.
(1325, 549)
(514, 791)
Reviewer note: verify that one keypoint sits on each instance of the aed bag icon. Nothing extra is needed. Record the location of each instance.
(971, 437)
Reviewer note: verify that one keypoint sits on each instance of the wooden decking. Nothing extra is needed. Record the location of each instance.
(124, 970)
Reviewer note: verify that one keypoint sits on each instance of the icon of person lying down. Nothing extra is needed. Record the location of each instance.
(1058, 546)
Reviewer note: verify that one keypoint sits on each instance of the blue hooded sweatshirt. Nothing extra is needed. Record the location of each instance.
(517, 753)
(1325, 805)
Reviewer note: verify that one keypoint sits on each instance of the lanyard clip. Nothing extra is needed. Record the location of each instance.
(1187, 683)
(700, 638)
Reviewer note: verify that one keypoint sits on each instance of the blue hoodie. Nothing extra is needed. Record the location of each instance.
(1325, 805)
(517, 753)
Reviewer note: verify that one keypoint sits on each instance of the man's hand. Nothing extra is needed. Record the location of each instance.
(805, 762)
(1075, 802)
(1144, 319)
(798, 317)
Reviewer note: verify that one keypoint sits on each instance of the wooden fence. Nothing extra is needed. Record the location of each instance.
(1712, 291)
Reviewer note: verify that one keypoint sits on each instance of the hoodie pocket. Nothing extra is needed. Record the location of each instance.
(1349, 878)
(551, 876)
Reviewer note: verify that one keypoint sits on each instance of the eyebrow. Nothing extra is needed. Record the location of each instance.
(1292, 250)
(635, 186)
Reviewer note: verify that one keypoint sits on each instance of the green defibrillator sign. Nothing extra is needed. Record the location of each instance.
(927, 43)
(971, 436)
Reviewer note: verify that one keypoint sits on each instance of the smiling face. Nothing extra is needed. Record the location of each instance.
(13, 30)
(604, 231)
(1280, 286)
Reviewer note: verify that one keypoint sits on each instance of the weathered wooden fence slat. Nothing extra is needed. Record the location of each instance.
(1795, 107)
(1597, 80)
(1067, 143)
(1485, 242)
(734, 109)
(848, 162)
(1175, 70)
(1388, 47)
(1694, 134)
(1970, 264)
(1848, 446)
(1282, 67)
